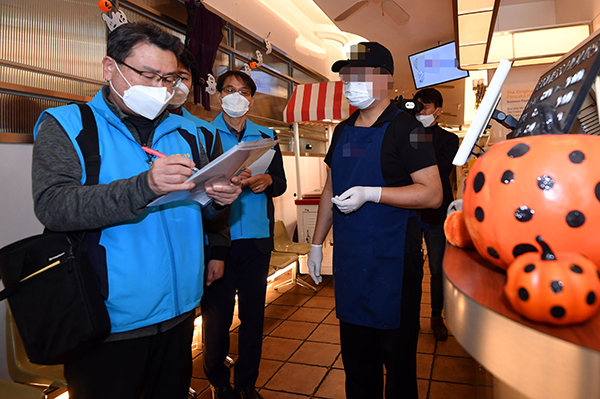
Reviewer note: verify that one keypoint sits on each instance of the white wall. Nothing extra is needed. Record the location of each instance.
(581, 11)
(313, 175)
(17, 219)
(516, 90)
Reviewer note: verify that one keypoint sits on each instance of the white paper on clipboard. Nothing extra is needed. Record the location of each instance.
(261, 165)
(223, 168)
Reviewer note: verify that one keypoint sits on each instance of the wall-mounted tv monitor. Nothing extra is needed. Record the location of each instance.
(436, 65)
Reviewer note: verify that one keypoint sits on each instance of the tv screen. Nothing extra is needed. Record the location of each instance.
(436, 65)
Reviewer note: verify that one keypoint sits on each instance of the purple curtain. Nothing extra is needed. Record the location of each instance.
(204, 32)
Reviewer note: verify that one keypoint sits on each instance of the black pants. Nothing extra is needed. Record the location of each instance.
(366, 350)
(246, 273)
(435, 239)
(155, 367)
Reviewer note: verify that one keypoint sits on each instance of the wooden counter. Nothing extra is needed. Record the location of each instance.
(537, 360)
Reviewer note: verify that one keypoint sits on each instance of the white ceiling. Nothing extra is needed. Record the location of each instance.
(431, 23)
(428, 26)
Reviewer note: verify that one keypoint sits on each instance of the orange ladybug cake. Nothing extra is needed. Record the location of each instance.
(546, 185)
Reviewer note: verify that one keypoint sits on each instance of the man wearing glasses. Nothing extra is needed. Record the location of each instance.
(246, 268)
(148, 261)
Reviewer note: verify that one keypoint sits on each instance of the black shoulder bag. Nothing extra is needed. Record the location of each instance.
(50, 286)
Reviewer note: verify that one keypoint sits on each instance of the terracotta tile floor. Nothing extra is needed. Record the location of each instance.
(301, 351)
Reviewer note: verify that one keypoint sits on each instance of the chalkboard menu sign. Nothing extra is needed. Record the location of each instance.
(563, 88)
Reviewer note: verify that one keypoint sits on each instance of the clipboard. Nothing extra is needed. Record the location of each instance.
(222, 168)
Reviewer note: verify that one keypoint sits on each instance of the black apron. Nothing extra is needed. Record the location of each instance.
(368, 251)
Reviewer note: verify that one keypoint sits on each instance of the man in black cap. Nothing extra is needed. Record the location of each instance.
(381, 167)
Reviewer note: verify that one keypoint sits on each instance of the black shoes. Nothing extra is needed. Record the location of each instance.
(225, 392)
(250, 393)
(440, 332)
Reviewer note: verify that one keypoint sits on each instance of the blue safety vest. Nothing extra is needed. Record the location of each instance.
(154, 263)
(249, 218)
(209, 145)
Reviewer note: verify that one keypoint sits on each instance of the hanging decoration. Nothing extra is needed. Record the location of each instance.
(211, 84)
(105, 5)
(268, 45)
(257, 60)
(246, 69)
(112, 17)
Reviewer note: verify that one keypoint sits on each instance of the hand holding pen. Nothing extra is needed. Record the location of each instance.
(159, 154)
(169, 173)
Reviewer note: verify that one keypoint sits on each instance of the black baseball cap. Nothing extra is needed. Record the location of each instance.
(367, 54)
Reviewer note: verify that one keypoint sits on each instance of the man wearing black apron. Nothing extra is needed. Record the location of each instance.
(381, 167)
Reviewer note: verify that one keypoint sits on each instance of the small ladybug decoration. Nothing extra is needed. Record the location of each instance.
(525, 187)
(556, 289)
(105, 5)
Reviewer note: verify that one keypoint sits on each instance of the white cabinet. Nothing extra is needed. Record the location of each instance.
(307, 219)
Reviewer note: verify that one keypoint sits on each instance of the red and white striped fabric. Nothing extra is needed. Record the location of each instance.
(316, 102)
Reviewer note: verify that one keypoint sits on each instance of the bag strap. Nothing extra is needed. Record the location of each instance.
(89, 146)
(91, 156)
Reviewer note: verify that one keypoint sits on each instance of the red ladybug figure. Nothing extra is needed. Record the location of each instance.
(539, 185)
(105, 5)
(557, 289)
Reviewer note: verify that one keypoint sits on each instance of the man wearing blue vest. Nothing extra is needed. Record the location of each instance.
(246, 269)
(381, 168)
(149, 261)
(218, 238)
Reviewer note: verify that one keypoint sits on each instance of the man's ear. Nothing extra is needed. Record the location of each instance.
(251, 102)
(108, 68)
(219, 99)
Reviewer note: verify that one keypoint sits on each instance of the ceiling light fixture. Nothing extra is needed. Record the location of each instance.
(478, 47)
(474, 22)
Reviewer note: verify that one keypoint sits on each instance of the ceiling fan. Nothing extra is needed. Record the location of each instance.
(390, 7)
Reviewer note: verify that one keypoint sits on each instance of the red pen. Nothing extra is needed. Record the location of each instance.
(161, 155)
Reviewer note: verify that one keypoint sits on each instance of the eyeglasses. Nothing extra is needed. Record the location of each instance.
(244, 91)
(154, 78)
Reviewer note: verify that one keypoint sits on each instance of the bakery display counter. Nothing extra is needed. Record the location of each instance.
(528, 360)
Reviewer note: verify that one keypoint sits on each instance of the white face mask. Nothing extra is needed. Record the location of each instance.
(426, 120)
(146, 101)
(235, 105)
(358, 94)
(180, 94)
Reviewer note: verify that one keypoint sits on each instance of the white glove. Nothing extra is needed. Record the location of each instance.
(315, 258)
(353, 198)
